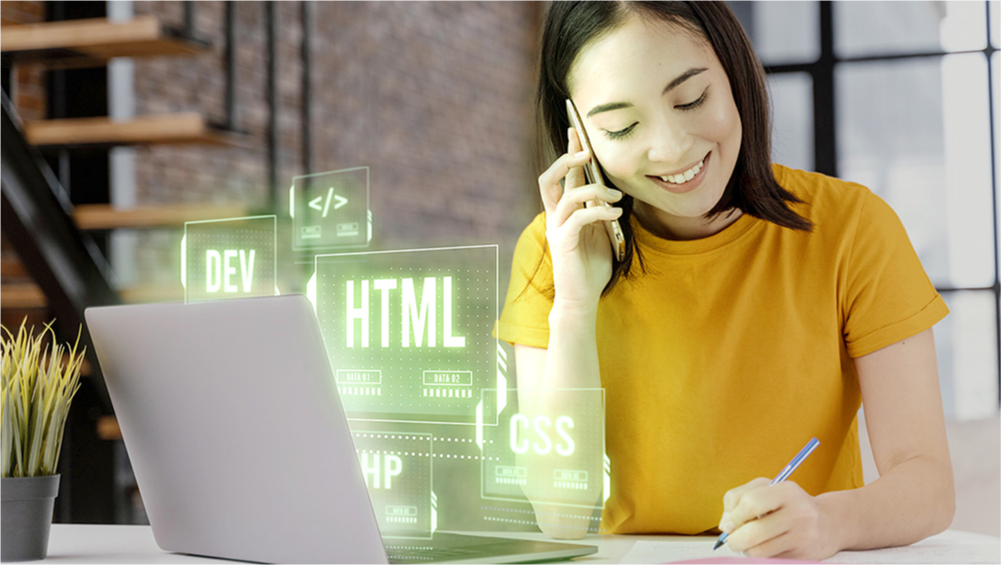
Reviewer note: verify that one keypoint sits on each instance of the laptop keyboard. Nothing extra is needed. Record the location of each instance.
(417, 554)
(447, 547)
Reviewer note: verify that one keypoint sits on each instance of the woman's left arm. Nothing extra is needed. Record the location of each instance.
(914, 496)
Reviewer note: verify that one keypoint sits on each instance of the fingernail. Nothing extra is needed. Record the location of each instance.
(724, 520)
(615, 193)
(728, 527)
(581, 154)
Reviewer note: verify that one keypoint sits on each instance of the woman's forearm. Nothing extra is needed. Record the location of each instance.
(571, 363)
(572, 359)
(911, 501)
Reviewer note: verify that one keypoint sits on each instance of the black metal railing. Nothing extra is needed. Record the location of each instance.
(63, 261)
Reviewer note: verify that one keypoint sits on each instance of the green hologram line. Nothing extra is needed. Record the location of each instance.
(311, 290)
(434, 513)
(184, 263)
(479, 425)
(607, 479)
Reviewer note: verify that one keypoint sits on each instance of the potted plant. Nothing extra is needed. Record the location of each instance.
(39, 379)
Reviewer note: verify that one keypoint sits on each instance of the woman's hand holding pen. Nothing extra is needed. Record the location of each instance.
(781, 521)
(578, 244)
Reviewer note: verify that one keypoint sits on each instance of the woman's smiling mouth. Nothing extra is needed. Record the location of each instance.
(683, 182)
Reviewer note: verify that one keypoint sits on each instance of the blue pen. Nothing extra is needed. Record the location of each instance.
(788, 470)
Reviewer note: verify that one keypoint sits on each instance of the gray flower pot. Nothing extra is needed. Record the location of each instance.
(26, 509)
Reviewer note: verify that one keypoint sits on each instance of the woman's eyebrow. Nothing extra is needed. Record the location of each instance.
(673, 84)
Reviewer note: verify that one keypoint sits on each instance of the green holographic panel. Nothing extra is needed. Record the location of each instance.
(398, 472)
(331, 210)
(548, 446)
(408, 332)
(229, 258)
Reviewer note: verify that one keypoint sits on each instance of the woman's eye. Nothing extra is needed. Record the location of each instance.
(696, 104)
(621, 133)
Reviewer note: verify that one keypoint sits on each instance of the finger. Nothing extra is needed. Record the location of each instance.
(579, 197)
(774, 547)
(586, 216)
(575, 178)
(549, 181)
(758, 532)
(756, 504)
(732, 498)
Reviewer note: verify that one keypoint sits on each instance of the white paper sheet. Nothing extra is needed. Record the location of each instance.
(667, 551)
(925, 552)
(928, 551)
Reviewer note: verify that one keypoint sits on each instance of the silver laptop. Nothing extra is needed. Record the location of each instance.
(239, 442)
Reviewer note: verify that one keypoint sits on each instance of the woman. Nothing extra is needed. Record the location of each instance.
(757, 306)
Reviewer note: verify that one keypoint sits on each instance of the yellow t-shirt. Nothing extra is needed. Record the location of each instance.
(730, 352)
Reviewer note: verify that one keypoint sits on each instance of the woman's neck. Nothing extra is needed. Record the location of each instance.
(667, 226)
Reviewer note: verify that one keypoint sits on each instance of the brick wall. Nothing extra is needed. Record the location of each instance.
(435, 98)
(28, 85)
(164, 85)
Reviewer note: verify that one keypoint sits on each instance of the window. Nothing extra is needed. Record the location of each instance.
(898, 96)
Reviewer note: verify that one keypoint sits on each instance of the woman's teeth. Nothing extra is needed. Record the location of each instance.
(684, 177)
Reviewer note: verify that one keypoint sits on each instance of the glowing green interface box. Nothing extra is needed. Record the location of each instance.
(551, 451)
(397, 467)
(229, 258)
(408, 332)
(331, 209)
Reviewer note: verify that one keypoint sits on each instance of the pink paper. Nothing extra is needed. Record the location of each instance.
(741, 560)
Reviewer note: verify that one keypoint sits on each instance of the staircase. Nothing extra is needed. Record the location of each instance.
(51, 264)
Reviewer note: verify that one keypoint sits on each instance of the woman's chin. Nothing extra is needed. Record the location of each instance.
(660, 211)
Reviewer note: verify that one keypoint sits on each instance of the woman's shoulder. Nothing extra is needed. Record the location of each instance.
(532, 242)
(537, 226)
(535, 231)
(826, 199)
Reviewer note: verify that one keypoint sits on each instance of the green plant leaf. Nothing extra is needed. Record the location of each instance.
(37, 386)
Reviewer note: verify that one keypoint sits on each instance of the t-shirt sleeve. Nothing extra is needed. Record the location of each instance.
(887, 296)
(525, 318)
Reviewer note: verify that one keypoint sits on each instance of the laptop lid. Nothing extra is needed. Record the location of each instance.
(234, 430)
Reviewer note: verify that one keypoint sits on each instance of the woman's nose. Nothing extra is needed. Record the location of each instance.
(670, 145)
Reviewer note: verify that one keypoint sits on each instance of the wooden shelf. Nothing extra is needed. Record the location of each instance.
(152, 294)
(184, 128)
(28, 295)
(92, 42)
(22, 295)
(108, 429)
(12, 268)
(104, 217)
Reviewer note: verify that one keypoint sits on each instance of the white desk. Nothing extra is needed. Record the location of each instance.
(81, 543)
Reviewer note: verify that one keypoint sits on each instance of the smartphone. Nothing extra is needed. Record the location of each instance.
(592, 172)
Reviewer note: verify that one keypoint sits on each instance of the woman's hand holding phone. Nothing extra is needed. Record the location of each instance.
(578, 242)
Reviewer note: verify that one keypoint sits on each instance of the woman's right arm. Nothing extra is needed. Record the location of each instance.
(582, 266)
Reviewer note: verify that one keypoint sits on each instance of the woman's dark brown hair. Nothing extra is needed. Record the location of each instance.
(569, 26)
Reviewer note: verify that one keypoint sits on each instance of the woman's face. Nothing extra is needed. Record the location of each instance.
(658, 110)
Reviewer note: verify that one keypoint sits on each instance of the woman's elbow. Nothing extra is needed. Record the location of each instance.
(945, 507)
(948, 511)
